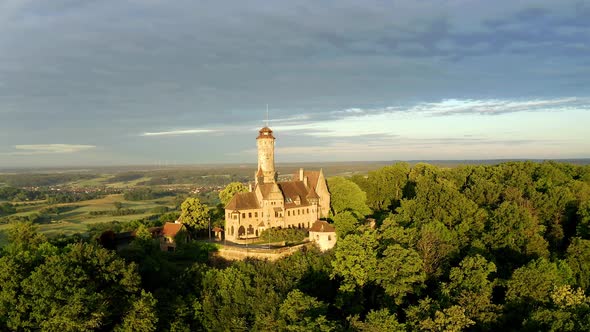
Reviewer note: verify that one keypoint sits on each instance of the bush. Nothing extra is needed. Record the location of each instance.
(287, 235)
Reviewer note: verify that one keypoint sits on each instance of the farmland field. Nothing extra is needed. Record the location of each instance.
(77, 219)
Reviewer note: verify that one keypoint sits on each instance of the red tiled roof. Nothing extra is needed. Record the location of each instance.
(171, 229)
(243, 201)
(322, 226)
(217, 229)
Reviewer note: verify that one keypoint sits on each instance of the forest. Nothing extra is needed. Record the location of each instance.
(470, 248)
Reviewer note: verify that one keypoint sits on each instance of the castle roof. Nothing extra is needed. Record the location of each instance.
(322, 227)
(243, 201)
(171, 229)
(312, 177)
(293, 190)
(312, 194)
(265, 132)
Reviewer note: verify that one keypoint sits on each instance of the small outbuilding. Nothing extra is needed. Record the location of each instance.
(324, 234)
(218, 233)
(172, 233)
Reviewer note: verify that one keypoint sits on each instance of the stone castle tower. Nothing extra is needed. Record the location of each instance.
(265, 143)
(297, 203)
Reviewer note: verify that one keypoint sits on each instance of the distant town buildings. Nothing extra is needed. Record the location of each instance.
(298, 203)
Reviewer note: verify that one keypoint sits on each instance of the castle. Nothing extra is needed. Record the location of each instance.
(272, 204)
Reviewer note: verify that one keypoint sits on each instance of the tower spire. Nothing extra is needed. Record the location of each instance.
(267, 115)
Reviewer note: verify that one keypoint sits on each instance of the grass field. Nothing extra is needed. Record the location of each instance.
(78, 219)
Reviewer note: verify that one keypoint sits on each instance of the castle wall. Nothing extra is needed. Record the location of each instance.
(243, 224)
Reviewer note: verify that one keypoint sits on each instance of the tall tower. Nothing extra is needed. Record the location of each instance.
(266, 156)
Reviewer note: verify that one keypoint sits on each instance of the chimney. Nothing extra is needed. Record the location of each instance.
(305, 181)
(250, 186)
(301, 174)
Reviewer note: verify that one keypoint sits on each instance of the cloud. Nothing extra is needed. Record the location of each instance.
(179, 132)
(37, 149)
(499, 106)
(384, 121)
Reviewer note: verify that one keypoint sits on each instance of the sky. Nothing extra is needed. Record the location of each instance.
(120, 82)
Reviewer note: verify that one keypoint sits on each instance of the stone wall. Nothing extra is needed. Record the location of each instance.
(240, 253)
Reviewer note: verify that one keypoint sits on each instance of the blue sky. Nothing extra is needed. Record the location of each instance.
(118, 82)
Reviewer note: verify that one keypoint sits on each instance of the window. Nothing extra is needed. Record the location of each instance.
(276, 214)
(255, 214)
(289, 213)
(235, 216)
(329, 238)
(298, 212)
(249, 214)
(307, 210)
(243, 214)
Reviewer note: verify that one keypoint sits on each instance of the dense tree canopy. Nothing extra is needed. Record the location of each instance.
(482, 247)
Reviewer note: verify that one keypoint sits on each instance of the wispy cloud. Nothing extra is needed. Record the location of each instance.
(37, 149)
(499, 106)
(179, 132)
(356, 122)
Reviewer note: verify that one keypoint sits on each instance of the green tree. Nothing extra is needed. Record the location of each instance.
(534, 282)
(452, 319)
(227, 300)
(400, 272)
(436, 245)
(347, 196)
(355, 260)
(385, 187)
(377, 321)
(84, 288)
(569, 310)
(300, 312)
(578, 259)
(345, 223)
(142, 316)
(194, 214)
(470, 288)
(583, 227)
(427, 315)
(230, 190)
(514, 227)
